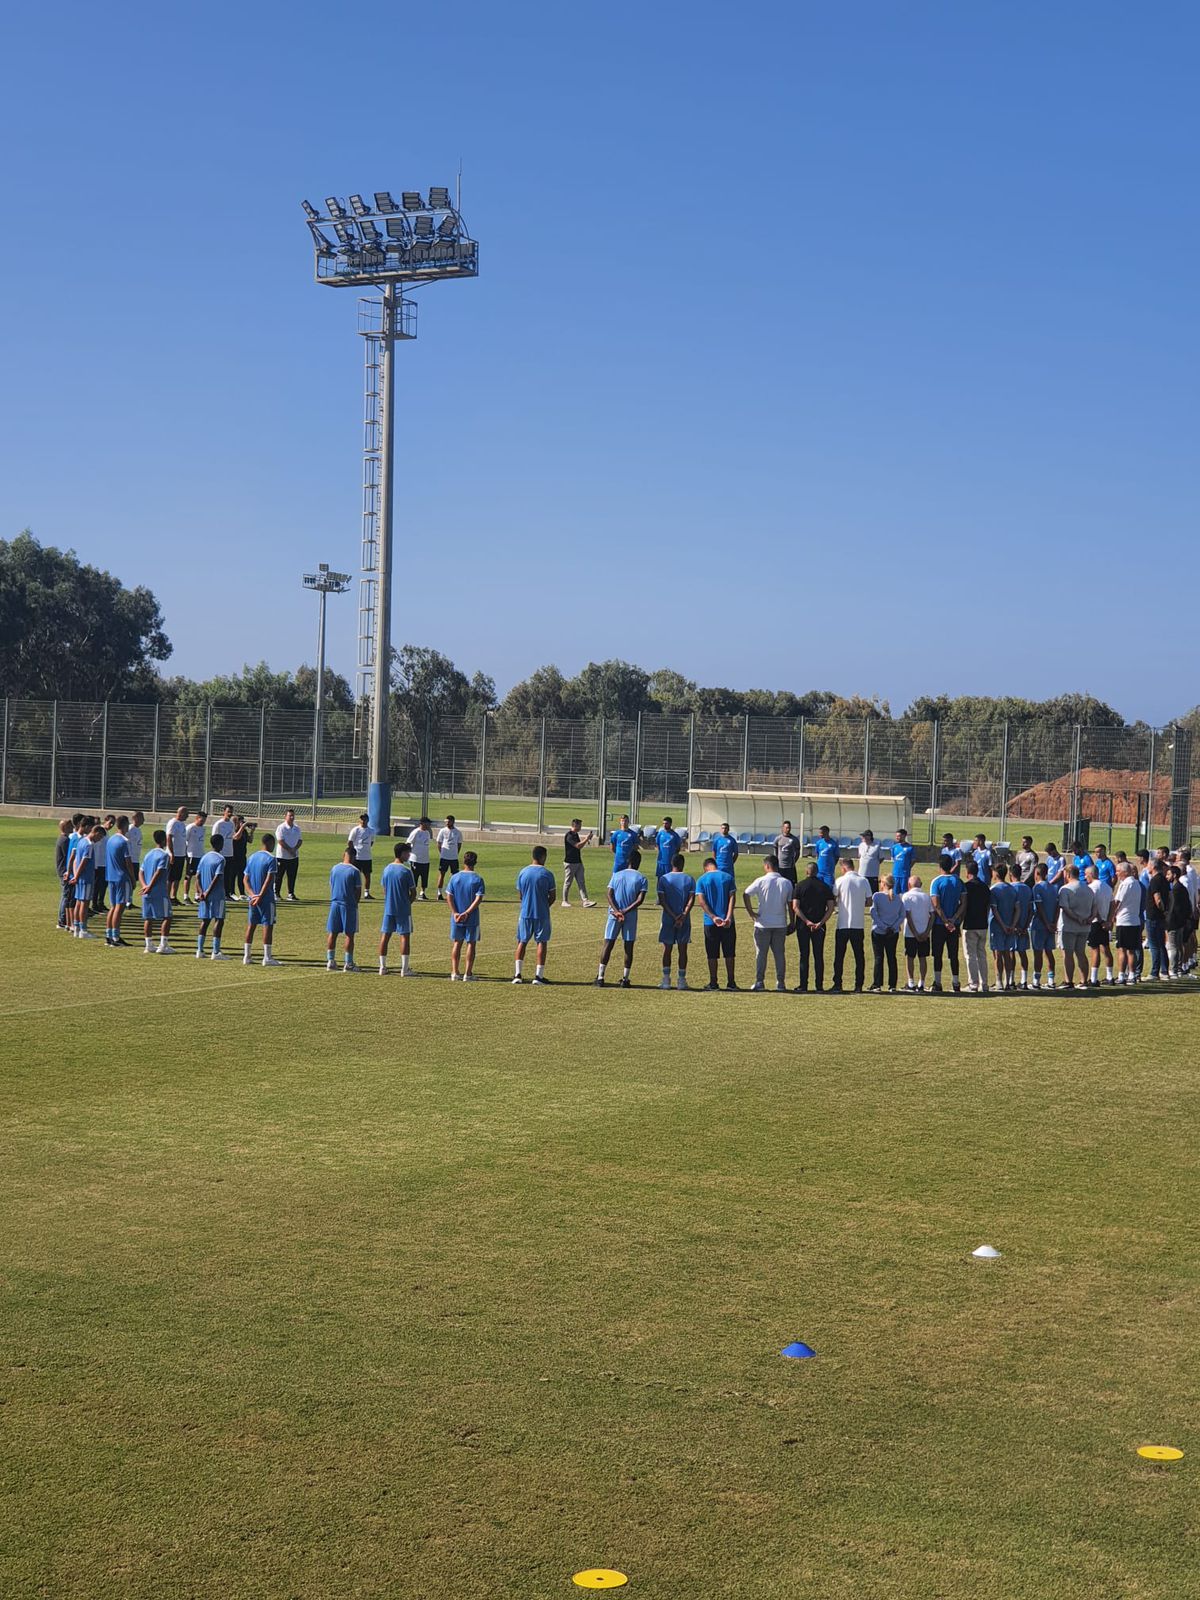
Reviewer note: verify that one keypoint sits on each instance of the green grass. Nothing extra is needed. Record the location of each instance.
(320, 1287)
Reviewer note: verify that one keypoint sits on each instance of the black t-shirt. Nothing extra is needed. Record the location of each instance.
(812, 896)
(1159, 886)
(571, 854)
(977, 901)
(1179, 908)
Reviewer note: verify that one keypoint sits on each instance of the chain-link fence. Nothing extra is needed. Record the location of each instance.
(1125, 786)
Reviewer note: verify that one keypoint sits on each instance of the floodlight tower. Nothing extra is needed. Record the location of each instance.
(421, 242)
(325, 583)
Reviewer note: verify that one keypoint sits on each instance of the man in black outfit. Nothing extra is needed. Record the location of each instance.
(812, 906)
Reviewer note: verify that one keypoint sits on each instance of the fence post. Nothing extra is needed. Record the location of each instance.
(635, 787)
(746, 750)
(54, 753)
(541, 809)
(800, 768)
(426, 759)
(262, 756)
(154, 761)
(483, 770)
(104, 759)
(1149, 791)
(601, 789)
(208, 756)
(4, 757)
(691, 752)
(1002, 819)
(934, 754)
(1073, 819)
(866, 755)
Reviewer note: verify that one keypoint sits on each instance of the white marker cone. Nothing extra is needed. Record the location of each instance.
(986, 1252)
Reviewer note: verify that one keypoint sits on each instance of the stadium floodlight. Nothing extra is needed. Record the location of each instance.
(311, 212)
(325, 583)
(389, 266)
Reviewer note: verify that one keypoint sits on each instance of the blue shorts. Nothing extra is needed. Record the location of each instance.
(670, 934)
(155, 907)
(626, 930)
(342, 918)
(1039, 938)
(467, 932)
(118, 891)
(212, 909)
(263, 914)
(1022, 943)
(1001, 941)
(83, 889)
(396, 924)
(531, 930)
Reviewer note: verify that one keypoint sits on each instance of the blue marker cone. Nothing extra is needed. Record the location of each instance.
(798, 1349)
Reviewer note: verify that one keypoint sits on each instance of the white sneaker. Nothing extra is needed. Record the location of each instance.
(218, 955)
(349, 966)
(588, 903)
(422, 897)
(246, 961)
(454, 977)
(564, 905)
(200, 954)
(270, 961)
(331, 966)
(368, 895)
(468, 977)
(518, 979)
(166, 950)
(408, 973)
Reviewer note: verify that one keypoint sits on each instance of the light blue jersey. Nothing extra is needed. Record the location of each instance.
(725, 852)
(1106, 870)
(345, 881)
(1055, 867)
(210, 879)
(676, 889)
(622, 840)
(536, 887)
(260, 881)
(827, 854)
(460, 892)
(715, 891)
(116, 859)
(399, 888)
(947, 890)
(625, 886)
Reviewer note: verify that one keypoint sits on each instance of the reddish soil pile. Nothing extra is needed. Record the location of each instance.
(1096, 784)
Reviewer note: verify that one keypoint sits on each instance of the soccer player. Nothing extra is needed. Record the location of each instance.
(626, 891)
(121, 875)
(260, 893)
(787, 853)
(449, 843)
(1106, 869)
(949, 848)
(83, 870)
(537, 889)
(1055, 865)
(1043, 924)
(983, 858)
(1127, 900)
(902, 860)
(1082, 860)
(1024, 894)
(715, 891)
(1098, 932)
(772, 918)
(826, 849)
(210, 898)
(176, 835)
(668, 844)
(946, 892)
(345, 891)
(622, 841)
(1026, 860)
(362, 842)
(154, 881)
(464, 895)
(100, 885)
(853, 892)
(1002, 931)
(62, 851)
(288, 840)
(813, 903)
(194, 848)
(135, 842)
(399, 892)
(420, 839)
(918, 925)
(676, 896)
(725, 850)
(870, 856)
(574, 843)
(224, 829)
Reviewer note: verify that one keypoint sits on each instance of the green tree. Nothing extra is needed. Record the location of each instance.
(611, 689)
(70, 631)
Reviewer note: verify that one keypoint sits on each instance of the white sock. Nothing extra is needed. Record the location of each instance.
(600, 970)
(517, 964)
(403, 964)
(540, 970)
(1108, 973)
(149, 944)
(625, 972)
(383, 963)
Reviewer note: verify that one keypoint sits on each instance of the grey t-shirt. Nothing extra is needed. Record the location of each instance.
(787, 849)
(1077, 902)
(1027, 860)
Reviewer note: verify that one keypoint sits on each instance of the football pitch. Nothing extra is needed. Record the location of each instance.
(318, 1286)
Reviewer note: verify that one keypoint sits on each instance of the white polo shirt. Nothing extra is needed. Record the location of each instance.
(851, 891)
(449, 843)
(360, 840)
(194, 839)
(135, 843)
(1128, 896)
(919, 908)
(1102, 897)
(869, 857)
(774, 893)
(176, 837)
(287, 838)
(223, 830)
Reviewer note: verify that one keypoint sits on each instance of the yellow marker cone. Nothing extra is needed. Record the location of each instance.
(599, 1578)
(1160, 1452)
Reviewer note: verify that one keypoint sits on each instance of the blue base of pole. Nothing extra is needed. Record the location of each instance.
(379, 807)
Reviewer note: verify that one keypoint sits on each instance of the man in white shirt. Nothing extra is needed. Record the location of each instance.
(194, 845)
(135, 842)
(852, 893)
(771, 921)
(1127, 899)
(176, 831)
(419, 841)
(918, 929)
(223, 829)
(288, 839)
(361, 840)
(1102, 899)
(870, 855)
(449, 843)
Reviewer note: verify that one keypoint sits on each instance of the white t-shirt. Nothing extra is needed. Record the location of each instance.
(1192, 877)
(869, 857)
(360, 841)
(449, 843)
(1128, 895)
(774, 900)
(135, 844)
(851, 891)
(194, 837)
(223, 830)
(419, 839)
(919, 908)
(1102, 897)
(287, 838)
(176, 837)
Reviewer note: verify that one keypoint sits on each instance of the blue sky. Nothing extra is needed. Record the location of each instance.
(852, 346)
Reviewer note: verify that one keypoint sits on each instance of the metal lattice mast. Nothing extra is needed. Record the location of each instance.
(368, 583)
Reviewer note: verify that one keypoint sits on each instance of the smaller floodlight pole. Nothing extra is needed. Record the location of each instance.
(325, 583)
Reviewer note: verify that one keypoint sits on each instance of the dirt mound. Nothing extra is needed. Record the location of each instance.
(1096, 785)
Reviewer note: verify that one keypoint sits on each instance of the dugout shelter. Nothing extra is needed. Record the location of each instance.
(756, 816)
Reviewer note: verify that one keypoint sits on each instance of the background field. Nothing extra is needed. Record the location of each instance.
(321, 1286)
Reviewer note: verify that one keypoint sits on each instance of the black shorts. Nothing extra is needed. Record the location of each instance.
(175, 870)
(193, 866)
(363, 863)
(1098, 936)
(448, 864)
(1129, 938)
(719, 941)
(916, 947)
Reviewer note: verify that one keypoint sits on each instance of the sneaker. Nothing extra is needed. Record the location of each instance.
(246, 961)
(218, 955)
(407, 972)
(757, 988)
(368, 895)
(710, 988)
(349, 966)
(564, 905)
(518, 980)
(875, 989)
(292, 901)
(200, 954)
(588, 903)
(540, 983)
(166, 950)
(454, 977)
(330, 966)
(469, 977)
(624, 983)
(85, 935)
(270, 961)
(781, 988)
(682, 984)
(422, 896)
(63, 927)
(957, 987)
(122, 943)
(437, 896)
(800, 989)
(731, 985)
(936, 986)
(599, 983)
(665, 984)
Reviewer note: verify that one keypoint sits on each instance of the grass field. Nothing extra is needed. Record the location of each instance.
(318, 1287)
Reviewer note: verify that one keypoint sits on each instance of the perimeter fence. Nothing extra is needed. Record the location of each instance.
(1125, 785)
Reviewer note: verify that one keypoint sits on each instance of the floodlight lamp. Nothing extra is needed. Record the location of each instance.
(424, 227)
(384, 202)
(311, 212)
(371, 234)
(335, 207)
(439, 199)
(359, 206)
(448, 228)
(412, 200)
